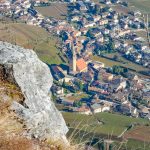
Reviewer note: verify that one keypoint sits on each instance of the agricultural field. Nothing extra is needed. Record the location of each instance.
(113, 126)
(28, 37)
(142, 5)
(139, 133)
(56, 10)
(109, 127)
(120, 9)
(136, 145)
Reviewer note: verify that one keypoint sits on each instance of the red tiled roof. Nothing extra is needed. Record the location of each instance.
(81, 64)
(83, 109)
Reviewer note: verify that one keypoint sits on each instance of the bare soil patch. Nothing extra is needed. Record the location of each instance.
(141, 133)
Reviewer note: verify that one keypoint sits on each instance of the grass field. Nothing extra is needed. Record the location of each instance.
(77, 97)
(137, 145)
(28, 37)
(56, 10)
(113, 123)
(142, 5)
(113, 126)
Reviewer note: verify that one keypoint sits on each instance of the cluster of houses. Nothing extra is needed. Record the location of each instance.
(108, 92)
(24, 10)
(101, 24)
(94, 26)
(89, 29)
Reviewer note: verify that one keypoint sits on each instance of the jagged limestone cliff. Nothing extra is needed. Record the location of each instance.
(42, 119)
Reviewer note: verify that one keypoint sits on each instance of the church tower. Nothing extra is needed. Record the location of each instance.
(74, 59)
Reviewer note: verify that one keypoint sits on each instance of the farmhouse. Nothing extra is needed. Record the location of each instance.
(96, 108)
(82, 110)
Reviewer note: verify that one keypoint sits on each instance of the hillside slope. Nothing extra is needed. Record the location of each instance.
(28, 37)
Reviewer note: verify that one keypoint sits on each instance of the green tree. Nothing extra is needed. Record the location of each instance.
(81, 86)
(110, 47)
(90, 34)
(77, 104)
(65, 91)
(115, 58)
(101, 146)
(110, 147)
(97, 9)
(63, 35)
(119, 70)
(64, 84)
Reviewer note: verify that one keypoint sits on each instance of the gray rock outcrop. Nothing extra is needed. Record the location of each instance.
(40, 115)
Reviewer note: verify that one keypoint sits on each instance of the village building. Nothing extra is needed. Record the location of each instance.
(59, 74)
(144, 111)
(81, 65)
(82, 110)
(127, 109)
(97, 107)
(97, 65)
(57, 90)
(107, 76)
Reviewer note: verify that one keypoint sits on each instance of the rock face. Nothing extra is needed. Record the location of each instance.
(40, 115)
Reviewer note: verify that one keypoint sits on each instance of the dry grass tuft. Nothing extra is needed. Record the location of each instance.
(15, 143)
